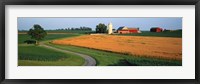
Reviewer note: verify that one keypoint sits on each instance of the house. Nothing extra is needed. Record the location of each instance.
(127, 30)
(156, 29)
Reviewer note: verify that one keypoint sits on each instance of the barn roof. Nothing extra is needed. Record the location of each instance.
(133, 28)
(129, 28)
(156, 28)
(120, 28)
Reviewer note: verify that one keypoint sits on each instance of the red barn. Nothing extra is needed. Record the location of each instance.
(156, 29)
(126, 30)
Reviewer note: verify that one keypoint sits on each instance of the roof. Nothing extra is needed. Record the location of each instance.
(120, 28)
(129, 28)
(133, 29)
(156, 28)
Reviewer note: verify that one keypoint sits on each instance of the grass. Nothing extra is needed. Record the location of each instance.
(177, 34)
(30, 55)
(64, 31)
(104, 58)
(69, 31)
(23, 37)
(66, 62)
(58, 36)
(36, 55)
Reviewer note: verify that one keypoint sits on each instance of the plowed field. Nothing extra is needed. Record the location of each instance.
(159, 47)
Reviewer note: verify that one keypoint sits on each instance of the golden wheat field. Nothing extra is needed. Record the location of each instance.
(161, 47)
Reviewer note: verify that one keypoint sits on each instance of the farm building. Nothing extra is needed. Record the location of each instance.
(126, 30)
(156, 29)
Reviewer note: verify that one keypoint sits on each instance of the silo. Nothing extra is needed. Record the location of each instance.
(110, 27)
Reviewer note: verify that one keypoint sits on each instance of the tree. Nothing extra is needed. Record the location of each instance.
(101, 28)
(37, 33)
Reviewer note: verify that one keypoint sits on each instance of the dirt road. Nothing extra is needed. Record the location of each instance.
(89, 61)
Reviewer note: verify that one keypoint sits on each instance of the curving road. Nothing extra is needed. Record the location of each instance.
(89, 61)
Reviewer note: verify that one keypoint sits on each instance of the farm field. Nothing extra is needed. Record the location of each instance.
(51, 36)
(31, 55)
(176, 34)
(62, 31)
(154, 47)
(69, 31)
(104, 58)
(37, 55)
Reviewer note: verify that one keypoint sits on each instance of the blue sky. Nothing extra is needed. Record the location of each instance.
(25, 23)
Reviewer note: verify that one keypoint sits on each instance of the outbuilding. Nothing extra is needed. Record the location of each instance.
(156, 29)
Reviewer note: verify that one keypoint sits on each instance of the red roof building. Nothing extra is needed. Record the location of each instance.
(156, 29)
(126, 30)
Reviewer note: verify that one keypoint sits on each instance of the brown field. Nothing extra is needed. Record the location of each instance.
(160, 47)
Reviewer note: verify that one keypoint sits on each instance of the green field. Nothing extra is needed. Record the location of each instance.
(37, 55)
(104, 58)
(31, 55)
(177, 34)
(24, 37)
(69, 31)
(65, 31)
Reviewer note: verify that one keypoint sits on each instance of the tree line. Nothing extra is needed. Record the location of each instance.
(37, 32)
(80, 28)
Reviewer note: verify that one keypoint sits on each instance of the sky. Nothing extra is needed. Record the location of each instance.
(145, 23)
